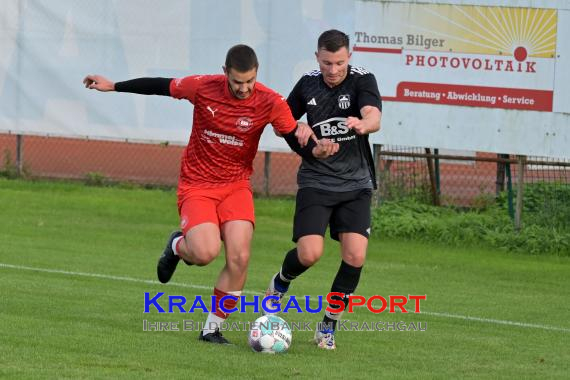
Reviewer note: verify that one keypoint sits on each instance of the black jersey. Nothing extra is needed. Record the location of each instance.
(327, 109)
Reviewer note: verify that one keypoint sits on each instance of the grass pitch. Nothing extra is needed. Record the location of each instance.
(75, 263)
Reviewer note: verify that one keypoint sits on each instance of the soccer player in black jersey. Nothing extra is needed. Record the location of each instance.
(342, 103)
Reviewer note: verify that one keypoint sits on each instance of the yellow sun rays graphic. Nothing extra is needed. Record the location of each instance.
(518, 32)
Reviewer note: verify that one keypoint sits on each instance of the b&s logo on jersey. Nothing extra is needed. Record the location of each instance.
(332, 127)
(344, 101)
(335, 129)
(244, 123)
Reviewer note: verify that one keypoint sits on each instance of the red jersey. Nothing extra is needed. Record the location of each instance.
(226, 130)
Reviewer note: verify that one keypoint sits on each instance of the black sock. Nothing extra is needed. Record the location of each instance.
(290, 269)
(345, 282)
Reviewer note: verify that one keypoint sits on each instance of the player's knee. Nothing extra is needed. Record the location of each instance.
(203, 260)
(238, 261)
(204, 255)
(354, 258)
(309, 257)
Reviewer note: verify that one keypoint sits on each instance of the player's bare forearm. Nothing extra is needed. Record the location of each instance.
(371, 116)
(369, 123)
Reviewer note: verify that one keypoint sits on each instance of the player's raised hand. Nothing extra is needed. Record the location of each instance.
(99, 83)
(304, 133)
(357, 125)
(325, 148)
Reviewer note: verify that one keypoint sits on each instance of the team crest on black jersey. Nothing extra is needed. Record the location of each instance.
(344, 101)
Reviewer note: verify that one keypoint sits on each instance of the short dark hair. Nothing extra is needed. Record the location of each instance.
(333, 40)
(241, 58)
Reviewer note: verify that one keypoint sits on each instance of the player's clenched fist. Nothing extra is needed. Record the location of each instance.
(325, 148)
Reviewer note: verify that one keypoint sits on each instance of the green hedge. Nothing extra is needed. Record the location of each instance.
(410, 219)
(544, 204)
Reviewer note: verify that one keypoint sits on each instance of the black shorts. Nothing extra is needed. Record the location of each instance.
(347, 211)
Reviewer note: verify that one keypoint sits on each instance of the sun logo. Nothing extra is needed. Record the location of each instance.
(519, 32)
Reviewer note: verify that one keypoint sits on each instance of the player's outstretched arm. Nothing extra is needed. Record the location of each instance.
(143, 86)
(99, 83)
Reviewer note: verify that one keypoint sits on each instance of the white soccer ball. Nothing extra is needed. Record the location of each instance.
(270, 334)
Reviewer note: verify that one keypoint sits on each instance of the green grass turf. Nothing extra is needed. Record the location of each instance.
(488, 314)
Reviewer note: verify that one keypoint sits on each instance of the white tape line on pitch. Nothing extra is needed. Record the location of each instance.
(203, 287)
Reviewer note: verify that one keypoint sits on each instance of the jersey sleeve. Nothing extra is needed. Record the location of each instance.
(296, 101)
(145, 86)
(368, 94)
(186, 87)
(281, 118)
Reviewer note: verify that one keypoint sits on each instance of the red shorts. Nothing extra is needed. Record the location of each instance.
(197, 205)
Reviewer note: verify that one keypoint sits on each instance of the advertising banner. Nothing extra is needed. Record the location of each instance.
(483, 56)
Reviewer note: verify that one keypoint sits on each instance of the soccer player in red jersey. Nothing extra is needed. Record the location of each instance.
(215, 200)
